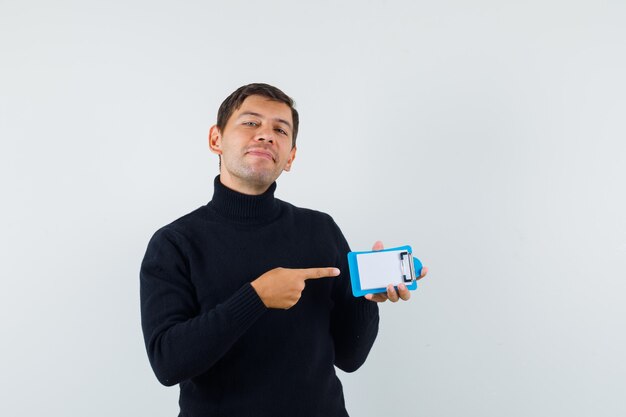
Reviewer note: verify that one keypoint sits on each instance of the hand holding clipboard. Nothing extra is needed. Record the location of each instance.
(385, 274)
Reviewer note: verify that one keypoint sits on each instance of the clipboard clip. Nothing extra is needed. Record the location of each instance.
(406, 258)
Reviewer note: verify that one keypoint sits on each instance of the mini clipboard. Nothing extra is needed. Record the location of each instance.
(372, 271)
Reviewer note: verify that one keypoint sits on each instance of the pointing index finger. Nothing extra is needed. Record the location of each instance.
(316, 273)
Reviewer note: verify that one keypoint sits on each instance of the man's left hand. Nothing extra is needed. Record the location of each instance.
(392, 295)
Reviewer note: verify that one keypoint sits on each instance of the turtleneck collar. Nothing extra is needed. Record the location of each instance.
(244, 208)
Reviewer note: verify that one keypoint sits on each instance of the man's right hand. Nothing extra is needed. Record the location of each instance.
(282, 287)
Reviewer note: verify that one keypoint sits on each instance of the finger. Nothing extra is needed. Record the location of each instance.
(392, 294)
(378, 245)
(377, 298)
(404, 292)
(316, 273)
(424, 272)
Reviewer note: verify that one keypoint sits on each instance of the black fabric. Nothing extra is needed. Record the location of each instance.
(206, 329)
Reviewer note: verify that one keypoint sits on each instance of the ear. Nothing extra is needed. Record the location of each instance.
(292, 156)
(215, 140)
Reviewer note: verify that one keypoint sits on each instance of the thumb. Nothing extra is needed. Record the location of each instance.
(378, 245)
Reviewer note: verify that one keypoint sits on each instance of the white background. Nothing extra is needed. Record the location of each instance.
(488, 135)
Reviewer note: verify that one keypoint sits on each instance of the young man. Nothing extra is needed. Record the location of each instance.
(246, 302)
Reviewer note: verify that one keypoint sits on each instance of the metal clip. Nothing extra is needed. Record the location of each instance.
(407, 257)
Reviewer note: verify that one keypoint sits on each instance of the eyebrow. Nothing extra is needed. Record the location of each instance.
(278, 119)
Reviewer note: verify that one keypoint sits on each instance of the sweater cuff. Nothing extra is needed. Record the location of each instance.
(246, 305)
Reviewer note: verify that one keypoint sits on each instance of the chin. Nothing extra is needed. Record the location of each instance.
(262, 178)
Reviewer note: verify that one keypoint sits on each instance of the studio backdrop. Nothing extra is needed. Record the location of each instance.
(487, 135)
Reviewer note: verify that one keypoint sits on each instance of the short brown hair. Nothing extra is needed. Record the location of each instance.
(236, 99)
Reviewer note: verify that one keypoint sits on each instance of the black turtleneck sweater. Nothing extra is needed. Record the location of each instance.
(206, 328)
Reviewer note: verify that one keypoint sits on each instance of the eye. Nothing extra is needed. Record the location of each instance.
(251, 124)
(281, 131)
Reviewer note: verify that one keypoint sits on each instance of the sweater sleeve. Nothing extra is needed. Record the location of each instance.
(181, 341)
(354, 320)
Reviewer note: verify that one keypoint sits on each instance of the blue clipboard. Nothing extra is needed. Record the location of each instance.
(372, 271)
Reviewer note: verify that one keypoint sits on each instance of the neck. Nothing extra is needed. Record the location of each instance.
(241, 186)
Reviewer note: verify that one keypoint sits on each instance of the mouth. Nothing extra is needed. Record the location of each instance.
(262, 153)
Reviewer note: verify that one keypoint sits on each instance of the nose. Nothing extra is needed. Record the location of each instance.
(265, 134)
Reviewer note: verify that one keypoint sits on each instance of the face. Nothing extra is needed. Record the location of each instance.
(255, 146)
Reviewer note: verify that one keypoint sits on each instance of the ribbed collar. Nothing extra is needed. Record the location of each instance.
(244, 208)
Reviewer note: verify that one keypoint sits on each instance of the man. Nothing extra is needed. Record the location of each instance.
(246, 302)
